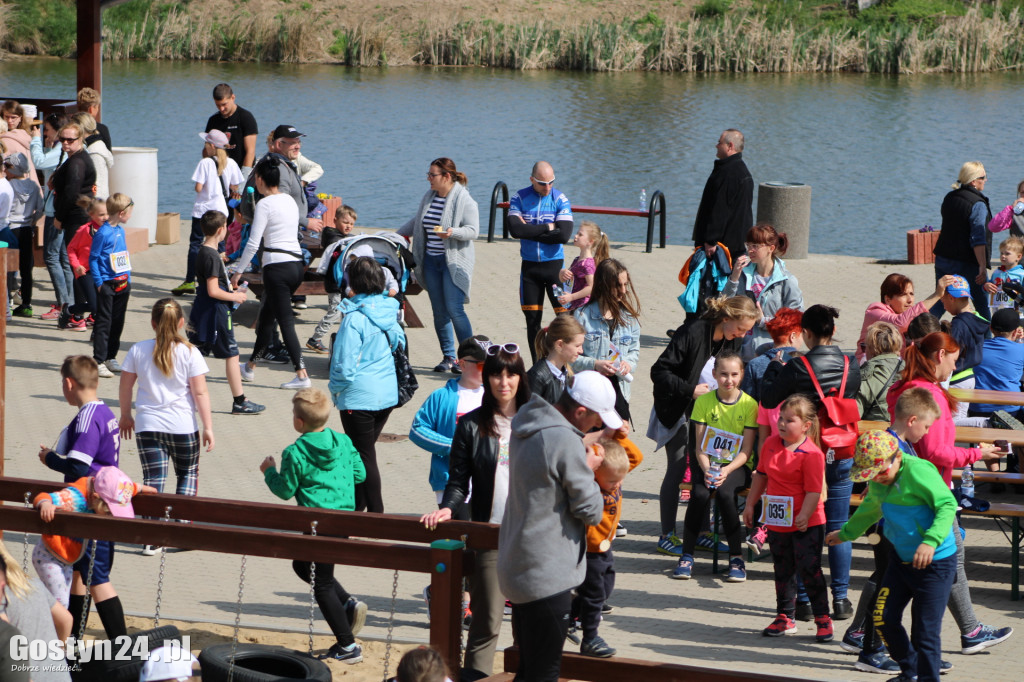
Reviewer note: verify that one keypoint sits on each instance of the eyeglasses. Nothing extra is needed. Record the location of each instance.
(434, 175)
(67, 140)
(751, 247)
(130, 204)
(542, 183)
(493, 348)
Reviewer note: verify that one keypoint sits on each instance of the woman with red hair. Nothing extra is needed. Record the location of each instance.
(785, 332)
(897, 306)
(928, 363)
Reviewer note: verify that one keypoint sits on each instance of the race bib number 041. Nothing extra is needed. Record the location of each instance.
(777, 510)
(721, 446)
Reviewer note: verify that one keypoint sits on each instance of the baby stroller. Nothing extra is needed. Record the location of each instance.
(389, 249)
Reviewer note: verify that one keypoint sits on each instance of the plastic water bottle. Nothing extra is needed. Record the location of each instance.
(244, 286)
(714, 470)
(643, 200)
(1018, 208)
(616, 360)
(557, 291)
(967, 482)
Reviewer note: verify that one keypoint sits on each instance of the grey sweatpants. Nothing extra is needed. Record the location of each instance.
(330, 318)
(960, 597)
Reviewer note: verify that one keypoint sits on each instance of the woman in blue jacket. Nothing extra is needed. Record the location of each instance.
(763, 276)
(610, 324)
(363, 383)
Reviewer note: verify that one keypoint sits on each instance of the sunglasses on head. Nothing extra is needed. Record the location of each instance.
(493, 348)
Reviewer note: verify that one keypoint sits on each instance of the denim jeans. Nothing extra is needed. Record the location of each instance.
(837, 512)
(55, 256)
(446, 303)
(968, 270)
(929, 589)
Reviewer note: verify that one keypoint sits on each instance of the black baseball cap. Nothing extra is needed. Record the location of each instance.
(472, 350)
(1005, 320)
(287, 131)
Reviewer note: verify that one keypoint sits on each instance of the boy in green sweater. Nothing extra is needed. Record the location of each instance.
(321, 469)
(918, 509)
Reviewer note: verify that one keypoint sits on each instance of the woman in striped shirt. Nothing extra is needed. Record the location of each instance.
(442, 232)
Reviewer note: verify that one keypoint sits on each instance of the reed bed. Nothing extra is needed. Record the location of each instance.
(741, 41)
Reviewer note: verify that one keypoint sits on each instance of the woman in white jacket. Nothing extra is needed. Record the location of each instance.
(442, 232)
(102, 158)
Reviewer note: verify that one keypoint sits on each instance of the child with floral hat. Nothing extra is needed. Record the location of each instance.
(918, 509)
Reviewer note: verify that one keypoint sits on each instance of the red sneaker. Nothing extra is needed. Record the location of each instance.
(52, 314)
(77, 324)
(90, 321)
(824, 625)
(782, 625)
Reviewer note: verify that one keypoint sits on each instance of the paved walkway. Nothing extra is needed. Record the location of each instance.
(703, 621)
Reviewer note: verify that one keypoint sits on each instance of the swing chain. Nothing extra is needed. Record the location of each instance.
(160, 579)
(312, 594)
(88, 589)
(391, 626)
(24, 542)
(238, 618)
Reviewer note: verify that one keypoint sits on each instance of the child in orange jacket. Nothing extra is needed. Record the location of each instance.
(621, 456)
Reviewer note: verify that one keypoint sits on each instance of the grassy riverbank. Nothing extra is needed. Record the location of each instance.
(897, 36)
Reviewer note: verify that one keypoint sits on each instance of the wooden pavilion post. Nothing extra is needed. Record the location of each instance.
(3, 355)
(90, 51)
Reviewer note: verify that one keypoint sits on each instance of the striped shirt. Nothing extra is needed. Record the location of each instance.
(431, 220)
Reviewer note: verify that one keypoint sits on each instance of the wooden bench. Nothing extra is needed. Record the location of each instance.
(1002, 513)
(978, 395)
(620, 669)
(964, 434)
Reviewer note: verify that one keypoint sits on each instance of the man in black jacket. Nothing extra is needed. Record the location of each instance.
(725, 213)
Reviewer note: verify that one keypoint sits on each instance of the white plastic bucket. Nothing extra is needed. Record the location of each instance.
(135, 174)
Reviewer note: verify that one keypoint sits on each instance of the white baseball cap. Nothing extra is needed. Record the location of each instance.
(169, 662)
(594, 392)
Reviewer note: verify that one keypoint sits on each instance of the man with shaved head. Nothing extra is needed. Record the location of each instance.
(725, 213)
(540, 217)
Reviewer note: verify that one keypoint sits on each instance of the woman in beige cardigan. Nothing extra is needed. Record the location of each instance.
(442, 232)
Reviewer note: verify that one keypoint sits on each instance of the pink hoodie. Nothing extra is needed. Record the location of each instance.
(881, 312)
(937, 445)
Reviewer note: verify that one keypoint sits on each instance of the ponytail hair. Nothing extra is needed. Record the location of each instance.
(920, 365)
(598, 238)
(447, 167)
(166, 318)
(90, 203)
(736, 308)
(763, 233)
(563, 328)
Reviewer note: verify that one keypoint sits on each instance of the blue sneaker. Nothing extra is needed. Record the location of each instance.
(853, 641)
(983, 638)
(704, 541)
(945, 667)
(878, 662)
(684, 568)
(737, 571)
(671, 545)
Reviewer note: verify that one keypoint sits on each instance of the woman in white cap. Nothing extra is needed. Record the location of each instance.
(217, 178)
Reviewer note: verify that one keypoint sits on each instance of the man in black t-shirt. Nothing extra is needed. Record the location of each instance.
(238, 124)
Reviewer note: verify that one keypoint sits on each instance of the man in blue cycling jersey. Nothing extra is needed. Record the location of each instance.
(540, 217)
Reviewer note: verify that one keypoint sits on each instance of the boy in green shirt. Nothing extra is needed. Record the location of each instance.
(321, 469)
(918, 509)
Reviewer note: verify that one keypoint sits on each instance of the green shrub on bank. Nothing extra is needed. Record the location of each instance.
(896, 36)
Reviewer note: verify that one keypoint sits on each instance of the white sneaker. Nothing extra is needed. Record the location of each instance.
(248, 375)
(105, 372)
(297, 383)
(113, 365)
(150, 550)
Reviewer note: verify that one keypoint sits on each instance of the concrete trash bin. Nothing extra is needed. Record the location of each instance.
(787, 207)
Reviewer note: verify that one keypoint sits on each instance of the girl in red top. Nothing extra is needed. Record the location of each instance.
(791, 475)
(78, 256)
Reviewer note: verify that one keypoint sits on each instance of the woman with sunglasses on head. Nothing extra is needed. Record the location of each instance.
(611, 343)
(73, 179)
(762, 274)
(47, 155)
(442, 232)
(363, 382)
(930, 362)
(479, 461)
(18, 136)
(681, 374)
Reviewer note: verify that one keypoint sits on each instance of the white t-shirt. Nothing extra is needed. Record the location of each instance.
(164, 403)
(210, 196)
(469, 400)
(275, 224)
(6, 199)
(504, 426)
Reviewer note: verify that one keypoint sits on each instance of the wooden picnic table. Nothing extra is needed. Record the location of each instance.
(964, 434)
(986, 476)
(979, 395)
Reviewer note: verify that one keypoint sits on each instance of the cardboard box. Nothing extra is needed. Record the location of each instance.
(168, 228)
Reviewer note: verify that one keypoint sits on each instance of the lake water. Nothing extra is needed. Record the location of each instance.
(880, 152)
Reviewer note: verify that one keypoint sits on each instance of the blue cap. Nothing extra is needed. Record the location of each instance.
(959, 288)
